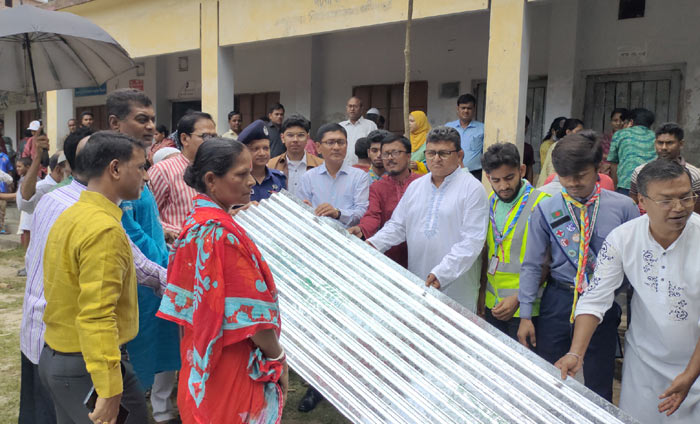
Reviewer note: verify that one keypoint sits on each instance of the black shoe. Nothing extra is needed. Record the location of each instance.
(310, 400)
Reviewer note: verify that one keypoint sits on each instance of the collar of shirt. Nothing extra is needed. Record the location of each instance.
(343, 169)
(302, 161)
(99, 200)
(677, 241)
(359, 121)
(448, 178)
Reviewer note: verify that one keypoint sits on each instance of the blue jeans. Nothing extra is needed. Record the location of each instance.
(554, 334)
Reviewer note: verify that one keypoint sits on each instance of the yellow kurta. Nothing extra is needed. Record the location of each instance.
(90, 288)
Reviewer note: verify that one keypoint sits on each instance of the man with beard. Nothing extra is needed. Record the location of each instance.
(657, 254)
(388, 190)
(669, 143)
(374, 154)
(511, 202)
(567, 231)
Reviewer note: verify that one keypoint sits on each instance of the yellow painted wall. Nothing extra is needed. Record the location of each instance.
(210, 59)
(146, 27)
(244, 21)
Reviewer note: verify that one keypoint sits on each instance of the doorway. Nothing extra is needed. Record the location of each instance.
(180, 109)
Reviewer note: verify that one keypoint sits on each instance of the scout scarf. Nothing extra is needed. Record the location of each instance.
(498, 237)
(585, 225)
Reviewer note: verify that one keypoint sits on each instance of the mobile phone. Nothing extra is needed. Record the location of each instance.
(91, 400)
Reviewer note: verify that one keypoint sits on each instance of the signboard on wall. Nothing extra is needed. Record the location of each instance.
(90, 91)
(136, 83)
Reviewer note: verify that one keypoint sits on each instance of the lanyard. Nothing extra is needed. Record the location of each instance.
(497, 236)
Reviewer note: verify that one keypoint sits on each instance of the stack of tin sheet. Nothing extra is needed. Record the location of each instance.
(383, 349)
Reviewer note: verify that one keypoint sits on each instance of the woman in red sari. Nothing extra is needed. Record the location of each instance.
(222, 294)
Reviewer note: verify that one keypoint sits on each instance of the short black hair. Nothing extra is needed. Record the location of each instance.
(361, 146)
(186, 124)
(376, 136)
(391, 137)
(466, 99)
(217, 155)
(120, 102)
(102, 148)
(275, 107)
(643, 117)
(570, 124)
(86, 113)
(576, 152)
(326, 128)
(621, 110)
(233, 113)
(53, 160)
(660, 170)
(671, 128)
(162, 129)
(70, 144)
(26, 161)
(443, 133)
(500, 154)
(295, 121)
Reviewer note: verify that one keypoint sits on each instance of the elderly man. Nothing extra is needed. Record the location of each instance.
(356, 127)
(657, 253)
(442, 217)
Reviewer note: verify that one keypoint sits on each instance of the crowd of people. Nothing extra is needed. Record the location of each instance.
(139, 277)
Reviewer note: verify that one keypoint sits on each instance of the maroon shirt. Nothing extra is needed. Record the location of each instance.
(384, 195)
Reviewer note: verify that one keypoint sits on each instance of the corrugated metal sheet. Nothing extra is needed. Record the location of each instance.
(382, 349)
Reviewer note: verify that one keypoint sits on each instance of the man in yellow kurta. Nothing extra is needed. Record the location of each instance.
(90, 289)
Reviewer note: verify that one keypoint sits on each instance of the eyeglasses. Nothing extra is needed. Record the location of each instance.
(444, 154)
(330, 143)
(394, 154)
(205, 136)
(685, 202)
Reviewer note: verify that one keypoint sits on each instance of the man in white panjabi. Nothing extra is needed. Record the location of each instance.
(658, 254)
(443, 218)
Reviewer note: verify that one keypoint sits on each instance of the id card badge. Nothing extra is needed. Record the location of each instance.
(493, 265)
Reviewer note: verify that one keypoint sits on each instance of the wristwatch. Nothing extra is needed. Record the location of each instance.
(338, 210)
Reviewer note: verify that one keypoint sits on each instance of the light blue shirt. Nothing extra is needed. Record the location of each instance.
(348, 191)
(472, 142)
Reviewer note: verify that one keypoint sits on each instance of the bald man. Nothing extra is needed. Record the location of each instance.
(356, 127)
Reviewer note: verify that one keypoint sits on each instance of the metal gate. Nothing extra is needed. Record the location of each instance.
(658, 91)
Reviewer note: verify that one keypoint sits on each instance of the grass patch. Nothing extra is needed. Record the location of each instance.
(17, 253)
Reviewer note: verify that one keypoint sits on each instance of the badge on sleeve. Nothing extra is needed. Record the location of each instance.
(493, 265)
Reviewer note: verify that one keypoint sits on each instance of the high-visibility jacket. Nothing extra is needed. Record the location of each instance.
(506, 281)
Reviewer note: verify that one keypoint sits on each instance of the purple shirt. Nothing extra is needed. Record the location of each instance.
(49, 208)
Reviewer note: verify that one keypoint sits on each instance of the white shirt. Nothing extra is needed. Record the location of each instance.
(42, 187)
(295, 169)
(666, 303)
(445, 228)
(359, 129)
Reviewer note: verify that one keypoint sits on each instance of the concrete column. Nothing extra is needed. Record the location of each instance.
(562, 68)
(507, 75)
(162, 104)
(59, 109)
(217, 68)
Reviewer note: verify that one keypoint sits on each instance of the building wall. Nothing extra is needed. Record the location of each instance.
(667, 37)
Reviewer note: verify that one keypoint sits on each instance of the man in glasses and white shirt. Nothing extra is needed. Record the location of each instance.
(443, 218)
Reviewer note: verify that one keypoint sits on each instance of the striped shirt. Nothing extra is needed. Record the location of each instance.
(692, 170)
(47, 211)
(173, 196)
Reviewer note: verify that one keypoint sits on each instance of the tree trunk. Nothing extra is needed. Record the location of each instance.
(407, 75)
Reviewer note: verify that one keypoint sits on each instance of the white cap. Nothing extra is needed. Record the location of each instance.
(34, 126)
(163, 153)
(61, 158)
(374, 111)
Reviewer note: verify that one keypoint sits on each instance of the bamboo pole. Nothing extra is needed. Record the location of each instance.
(407, 75)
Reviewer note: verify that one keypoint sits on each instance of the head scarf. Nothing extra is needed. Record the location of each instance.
(419, 134)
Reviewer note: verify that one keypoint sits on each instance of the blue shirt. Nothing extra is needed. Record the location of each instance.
(6, 166)
(614, 209)
(472, 142)
(273, 182)
(348, 191)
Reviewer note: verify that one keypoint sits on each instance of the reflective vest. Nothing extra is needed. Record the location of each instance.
(506, 281)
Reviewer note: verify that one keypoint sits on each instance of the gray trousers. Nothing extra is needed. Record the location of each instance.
(68, 382)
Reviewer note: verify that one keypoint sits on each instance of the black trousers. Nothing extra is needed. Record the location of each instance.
(68, 381)
(35, 404)
(509, 327)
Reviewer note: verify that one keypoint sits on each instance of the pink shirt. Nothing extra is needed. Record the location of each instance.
(173, 196)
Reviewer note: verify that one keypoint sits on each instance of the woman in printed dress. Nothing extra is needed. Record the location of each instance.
(221, 291)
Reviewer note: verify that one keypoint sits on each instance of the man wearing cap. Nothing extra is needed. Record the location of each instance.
(356, 127)
(267, 181)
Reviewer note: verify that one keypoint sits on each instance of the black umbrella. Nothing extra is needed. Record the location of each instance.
(42, 50)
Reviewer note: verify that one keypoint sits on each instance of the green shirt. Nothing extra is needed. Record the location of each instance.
(630, 148)
(503, 208)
